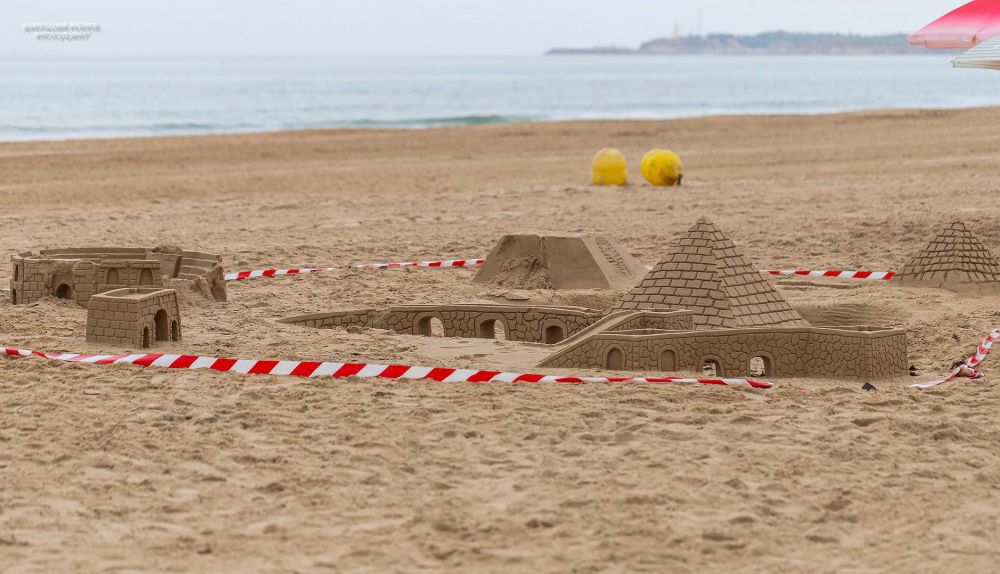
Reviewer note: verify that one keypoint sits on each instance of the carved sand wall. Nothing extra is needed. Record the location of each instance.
(669, 321)
(517, 323)
(348, 318)
(787, 352)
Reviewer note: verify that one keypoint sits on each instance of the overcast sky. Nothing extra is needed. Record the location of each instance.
(430, 26)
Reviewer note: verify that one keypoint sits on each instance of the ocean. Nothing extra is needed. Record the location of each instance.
(85, 98)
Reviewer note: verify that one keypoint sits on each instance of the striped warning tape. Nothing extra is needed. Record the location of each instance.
(442, 263)
(835, 274)
(445, 263)
(241, 275)
(336, 370)
(968, 368)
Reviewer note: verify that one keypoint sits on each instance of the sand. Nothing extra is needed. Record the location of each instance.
(124, 469)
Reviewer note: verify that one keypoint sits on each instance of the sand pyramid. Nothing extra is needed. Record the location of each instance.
(705, 273)
(956, 259)
(550, 262)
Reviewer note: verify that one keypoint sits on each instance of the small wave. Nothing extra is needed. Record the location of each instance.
(21, 132)
(125, 127)
(470, 120)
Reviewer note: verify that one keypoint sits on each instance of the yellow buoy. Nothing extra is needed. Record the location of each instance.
(644, 166)
(662, 167)
(609, 168)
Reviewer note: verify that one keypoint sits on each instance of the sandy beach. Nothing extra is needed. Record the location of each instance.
(132, 470)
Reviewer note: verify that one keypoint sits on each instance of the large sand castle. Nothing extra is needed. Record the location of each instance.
(80, 273)
(704, 305)
(740, 324)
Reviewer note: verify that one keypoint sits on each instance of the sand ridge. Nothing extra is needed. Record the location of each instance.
(118, 468)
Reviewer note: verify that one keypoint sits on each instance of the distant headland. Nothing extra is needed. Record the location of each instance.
(766, 43)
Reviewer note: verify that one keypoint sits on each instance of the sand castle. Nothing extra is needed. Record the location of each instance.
(79, 274)
(956, 260)
(739, 320)
(135, 316)
(565, 262)
(704, 305)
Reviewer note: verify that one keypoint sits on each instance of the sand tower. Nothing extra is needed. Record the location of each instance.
(955, 260)
(705, 273)
(547, 262)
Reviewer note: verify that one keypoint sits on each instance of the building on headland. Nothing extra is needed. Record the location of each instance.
(79, 274)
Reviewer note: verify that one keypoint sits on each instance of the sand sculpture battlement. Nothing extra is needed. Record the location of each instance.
(563, 262)
(135, 316)
(79, 274)
(957, 260)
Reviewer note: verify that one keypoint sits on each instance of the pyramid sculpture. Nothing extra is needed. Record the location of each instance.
(705, 273)
(550, 262)
(957, 260)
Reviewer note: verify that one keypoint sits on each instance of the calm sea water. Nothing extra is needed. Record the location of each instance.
(55, 99)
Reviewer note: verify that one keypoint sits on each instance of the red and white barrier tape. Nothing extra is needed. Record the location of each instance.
(442, 263)
(967, 369)
(445, 263)
(835, 274)
(241, 275)
(313, 369)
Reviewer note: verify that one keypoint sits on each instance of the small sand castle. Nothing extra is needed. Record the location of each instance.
(955, 260)
(549, 262)
(705, 273)
(79, 274)
(134, 316)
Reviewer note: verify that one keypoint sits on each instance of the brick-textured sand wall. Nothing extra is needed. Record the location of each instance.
(519, 324)
(354, 317)
(798, 352)
(661, 321)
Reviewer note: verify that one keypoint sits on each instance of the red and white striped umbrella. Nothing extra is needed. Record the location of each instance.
(975, 25)
(964, 27)
(985, 55)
